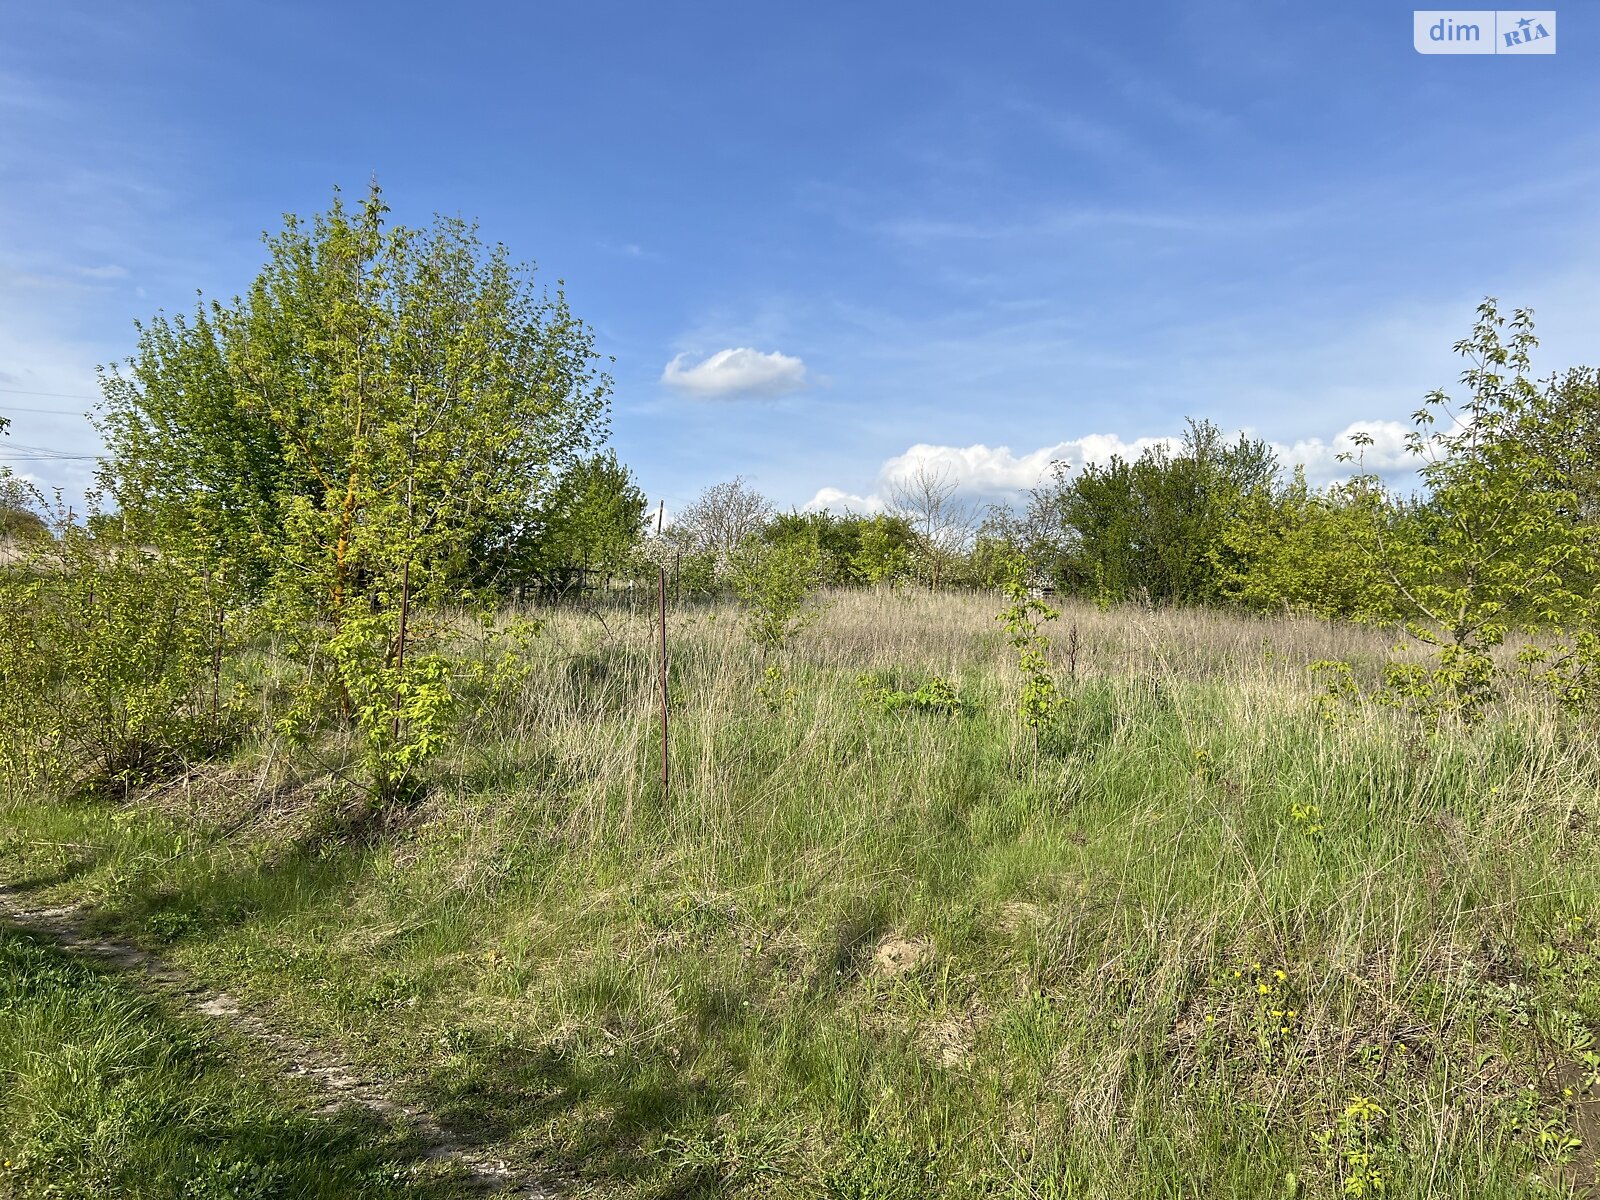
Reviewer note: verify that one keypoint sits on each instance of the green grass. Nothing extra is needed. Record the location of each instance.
(103, 1093)
(866, 953)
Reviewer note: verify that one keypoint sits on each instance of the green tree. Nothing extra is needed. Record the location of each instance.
(591, 520)
(1293, 549)
(370, 369)
(854, 549)
(775, 585)
(20, 518)
(107, 662)
(1497, 546)
(884, 546)
(1147, 528)
(1567, 438)
(382, 404)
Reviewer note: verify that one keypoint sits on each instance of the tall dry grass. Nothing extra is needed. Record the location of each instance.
(861, 953)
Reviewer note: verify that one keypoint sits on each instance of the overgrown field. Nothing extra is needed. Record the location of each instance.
(103, 1093)
(1215, 934)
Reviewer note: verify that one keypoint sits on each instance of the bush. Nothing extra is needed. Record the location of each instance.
(936, 695)
(109, 661)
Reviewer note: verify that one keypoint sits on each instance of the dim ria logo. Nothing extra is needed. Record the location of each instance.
(1484, 32)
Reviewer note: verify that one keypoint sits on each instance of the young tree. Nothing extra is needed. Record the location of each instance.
(369, 369)
(884, 545)
(381, 401)
(593, 519)
(775, 585)
(1497, 546)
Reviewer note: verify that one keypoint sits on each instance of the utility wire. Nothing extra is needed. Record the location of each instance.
(50, 395)
(18, 450)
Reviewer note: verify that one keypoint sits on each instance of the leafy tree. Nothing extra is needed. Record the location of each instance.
(381, 404)
(592, 519)
(854, 548)
(1293, 549)
(775, 585)
(1497, 547)
(1568, 436)
(1035, 532)
(368, 369)
(1147, 528)
(20, 518)
(884, 546)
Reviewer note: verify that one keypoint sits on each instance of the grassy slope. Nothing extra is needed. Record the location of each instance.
(872, 955)
(104, 1094)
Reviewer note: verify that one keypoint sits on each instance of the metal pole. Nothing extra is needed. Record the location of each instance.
(661, 594)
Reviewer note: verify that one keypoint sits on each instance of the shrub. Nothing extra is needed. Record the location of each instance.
(937, 695)
(111, 662)
(775, 586)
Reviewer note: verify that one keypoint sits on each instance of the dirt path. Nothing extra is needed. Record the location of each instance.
(338, 1083)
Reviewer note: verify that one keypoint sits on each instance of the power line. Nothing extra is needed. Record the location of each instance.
(17, 450)
(50, 395)
(53, 412)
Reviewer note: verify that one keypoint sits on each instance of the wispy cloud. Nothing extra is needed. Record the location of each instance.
(629, 250)
(1049, 223)
(737, 372)
(1087, 137)
(104, 273)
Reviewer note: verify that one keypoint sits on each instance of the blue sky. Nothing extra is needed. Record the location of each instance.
(982, 236)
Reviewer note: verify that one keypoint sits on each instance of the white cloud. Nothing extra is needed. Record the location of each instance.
(1387, 454)
(740, 372)
(837, 500)
(998, 473)
(983, 471)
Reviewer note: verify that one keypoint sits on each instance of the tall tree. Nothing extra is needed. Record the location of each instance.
(380, 402)
(1499, 544)
(592, 519)
(373, 378)
(1148, 527)
(721, 517)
